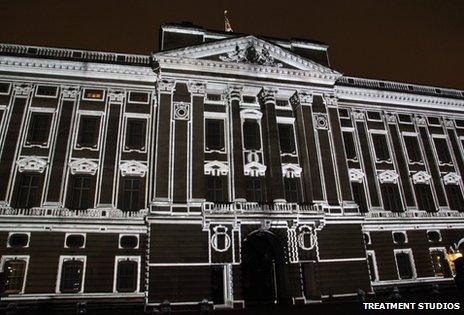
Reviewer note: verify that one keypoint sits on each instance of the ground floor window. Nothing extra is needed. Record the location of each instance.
(217, 284)
(405, 264)
(440, 264)
(71, 274)
(127, 274)
(372, 264)
(14, 269)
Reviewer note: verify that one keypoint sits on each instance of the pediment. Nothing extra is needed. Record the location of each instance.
(247, 53)
(31, 164)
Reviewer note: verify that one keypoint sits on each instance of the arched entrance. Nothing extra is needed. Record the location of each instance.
(264, 272)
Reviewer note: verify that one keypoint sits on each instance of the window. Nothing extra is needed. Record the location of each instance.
(14, 269)
(249, 99)
(424, 197)
(80, 198)
(367, 238)
(287, 138)
(216, 188)
(381, 147)
(413, 149)
(72, 274)
(5, 88)
(128, 241)
(350, 148)
(47, 91)
(442, 150)
(17, 240)
(135, 134)
(372, 264)
(93, 94)
(405, 264)
(434, 236)
(39, 128)
(359, 196)
(127, 274)
(292, 189)
(343, 113)
(374, 116)
(213, 97)
(138, 97)
(131, 194)
(251, 135)
(74, 241)
(391, 197)
(455, 198)
(399, 238)
(214, 134)
(88, 131)
(433, 121)
(404, 118)
(459, 123)
(217, 284)
(440, 264)
(255, 189)
(282, 103)
(28, 191)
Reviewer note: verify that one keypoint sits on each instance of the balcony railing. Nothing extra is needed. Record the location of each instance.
(63, 212)
(261, 207)
(413, 214)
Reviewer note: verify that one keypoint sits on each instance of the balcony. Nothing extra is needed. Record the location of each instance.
(413, 214)
(234, 207)
(75, 214)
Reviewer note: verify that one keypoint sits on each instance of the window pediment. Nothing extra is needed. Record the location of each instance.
(216, 168)
(83, 166)
(291, 170)
(32, 164)
(356, 175)
(133, 168)
(421, 178)
(388, 177)
(255, 169)
(451, 178)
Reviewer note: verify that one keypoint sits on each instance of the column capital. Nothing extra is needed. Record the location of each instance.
(267, 95)
(235, 92)
(166, 86)
(69, 92)
(301, 97)
(330, 100)
(23, 89)
(116, 96)
(197, 87)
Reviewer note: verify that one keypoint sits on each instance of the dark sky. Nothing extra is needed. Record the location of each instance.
(419, 41)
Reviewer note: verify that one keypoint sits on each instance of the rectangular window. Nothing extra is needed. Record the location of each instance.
(217, 284)
(440, 264)
(81, 193)
(405, 118)
(138, 97)
(5, 88)
(343, 113)
(359, 196)
(72, 271)
(459, 123)
(249, 99)
(282, 103)
(47, 91)
(455, 198)
(350, 148)
(216, 188)
(381, 147)
(287, 138)
(135, 134)
(126, 277)
(88, 131)
(404, 264)
(391, 197)
(39, 128)
(443, 152)
(292, 189)
(413, 149)
(255, 189)
(214, 97)
(131, 194)
(424, 197)
(93, 94)
(14, 275)
(28, 195)
(433, 121)
(214, 134)
(374, 116)
(251, 135)
(372, 264)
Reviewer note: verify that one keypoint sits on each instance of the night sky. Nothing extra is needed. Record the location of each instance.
(419, 41)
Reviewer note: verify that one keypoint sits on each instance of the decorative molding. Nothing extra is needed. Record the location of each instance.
(306, 231)
(267, 95)
(330, 100)
(301, 97)
(388, 177)
(356, 175)
(235, 92)
(69, 92)
(254, 169)
(290, 170)
(23, 89)
(133, 168)
(451, 178)
(32, 164)
(220, 231)
(420, 120)
(216, 168)
(321, 121)
(250, 114)
(449, 123)
(166, 86)
(390, 118)
(116, 96)
(196, 87)
(181, 111)
(251, 54)
(358, 115)
(421, 177)
(83, 166)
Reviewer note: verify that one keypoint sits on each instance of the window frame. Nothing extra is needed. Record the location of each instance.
(118, 259)
(84, 91)
(406, 241)
(282, 99)
(144, 117)
(405, 122)
(132, 191)
(447, 189)
(287, 121)
(351, 131)
(18, 188)
(433, 125)
(128, 234)
(435, 150)
(26, 258)
(368, 233)
(376, 132)
(371, 252)
(415, 135)
(79, 116)
(33, 111)
(71, 233)
(62, 260)
(18, 232)
(374, 111)
(416, 190)
(8, 89)
(439, 233)
(71, 190)
(411, 260)
(224, 133)
(443, 250)
(138, 102)
(36, 90)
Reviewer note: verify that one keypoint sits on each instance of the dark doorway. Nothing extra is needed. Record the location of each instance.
(263, 268)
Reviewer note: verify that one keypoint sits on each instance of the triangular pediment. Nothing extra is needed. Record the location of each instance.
(248, 52)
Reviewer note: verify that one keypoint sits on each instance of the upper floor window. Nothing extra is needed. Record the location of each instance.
(14, 274)
(287, 138)
(39, 128)
(81, 198)
(126, 275)
(391, 197)
(455, 198)
(404, 264)
(350, 148)
(381, 147)
(88, 131)
(47, 91)
(17, 240)
(72, 270)
(135, 134)
(128, 241)
(28, 195)
(443, 152)
(374, 116)
(424, 197)
(359, 196)
(255, 189)
(405, 118)
(251, 134)
(75, 241)
(213, 97)
(249, 99)
(292, 189)
(216, 188)
(131, 194)
(413, 149)
(138, 97)
(433, 121)
(214, 135)
(5, 88)
(93, 94)
(282, 103)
